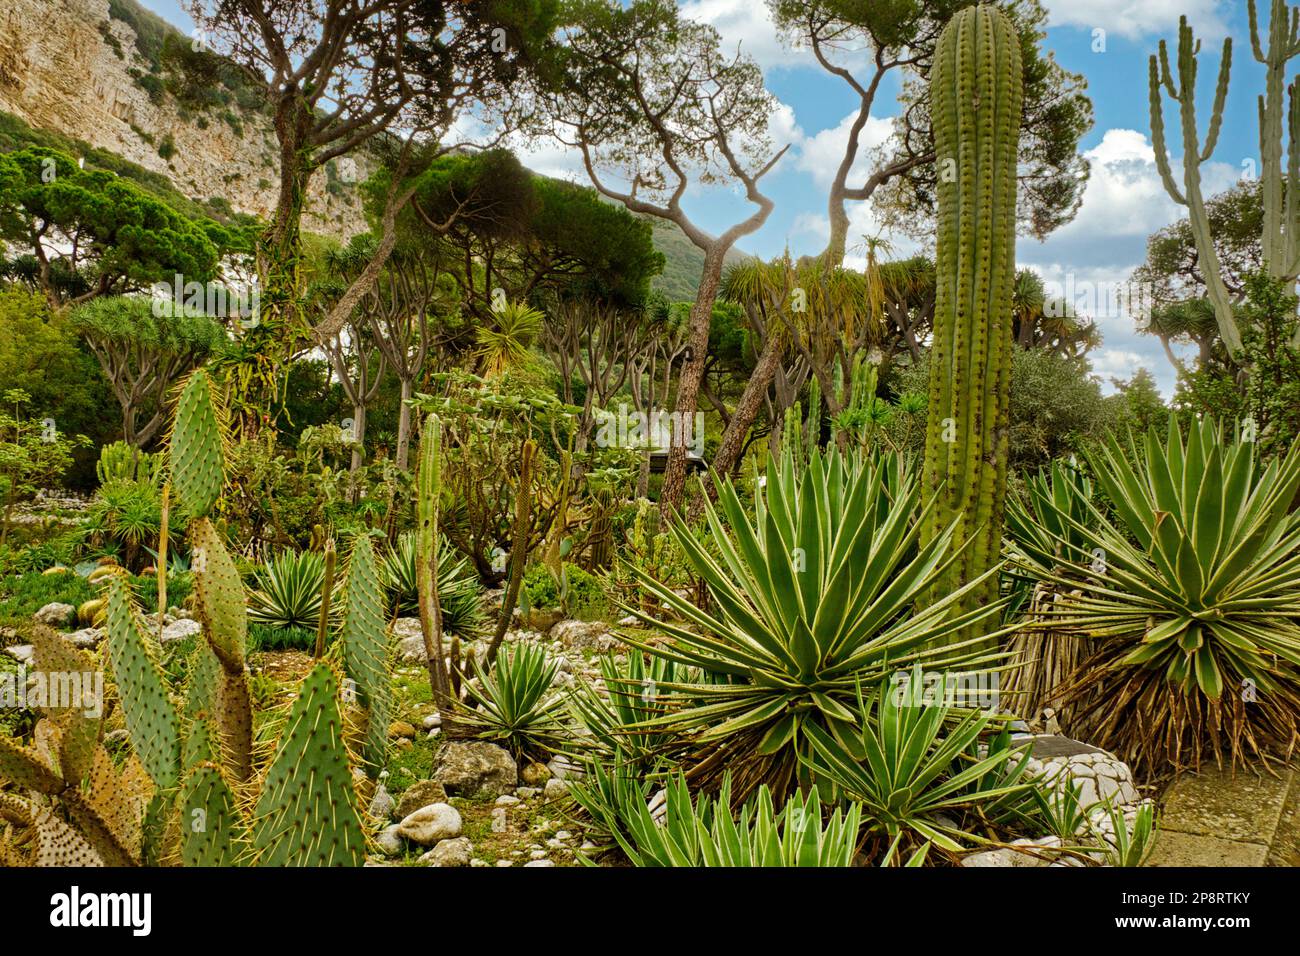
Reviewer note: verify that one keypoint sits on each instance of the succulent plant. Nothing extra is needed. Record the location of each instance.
(975, 94)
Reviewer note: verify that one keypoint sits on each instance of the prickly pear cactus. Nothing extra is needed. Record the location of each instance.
(307, 814)
(975, 96)
(150, 716)
(197, 459)
(366, 650)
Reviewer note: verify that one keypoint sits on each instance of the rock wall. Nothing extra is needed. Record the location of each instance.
(59, 71)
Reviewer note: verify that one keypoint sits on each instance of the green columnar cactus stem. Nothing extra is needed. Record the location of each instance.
(366, 650)
(164, 529)
(1184, 94)
(1281, 235)
(523, 520)
(975, 95)
(326, 597)
(428, 488)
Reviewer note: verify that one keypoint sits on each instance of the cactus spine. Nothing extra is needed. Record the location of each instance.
(975, 94)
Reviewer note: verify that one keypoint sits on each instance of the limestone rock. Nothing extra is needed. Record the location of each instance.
(428, 825)
(56, 615)
(476, 769)
(420, 794)
(454, 852)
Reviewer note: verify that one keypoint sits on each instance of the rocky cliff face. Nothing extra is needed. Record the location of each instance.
(66, 65)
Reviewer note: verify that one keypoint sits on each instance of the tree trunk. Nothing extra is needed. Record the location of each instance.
(751, 400)
(359, 436)
(688, 383)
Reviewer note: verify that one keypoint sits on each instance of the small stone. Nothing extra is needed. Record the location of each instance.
(179, 630)
(526, 793)
(500, 820)
(400, 728)
(403, 743)
(476, 769)
(535, 774)
(55, 614)
(505, 863)
(564, 769)
(86, 639)
(563, 835)
(555, 788)
(382, 803)
(454, 852)
(433, 720)
(428, 825)
(22, 653)
(420, 794)
(538, 854)
(507, 800)
(542, 862)
(478, 863)
(389, 840)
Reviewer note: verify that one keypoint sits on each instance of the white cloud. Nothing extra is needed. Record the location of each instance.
(820, 155)
(1137, 20)
(747, 24)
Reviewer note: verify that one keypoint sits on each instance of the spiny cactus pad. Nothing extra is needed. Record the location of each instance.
(976, 94)
(220, 592)
(365, 648)
(26, 768)
(150, 716)
(306, 814)
(211, 831)
(78, 723)
(197, 459)
(204, 683)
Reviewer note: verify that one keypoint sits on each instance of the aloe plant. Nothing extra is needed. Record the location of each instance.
(1191, 600)
(813, 594)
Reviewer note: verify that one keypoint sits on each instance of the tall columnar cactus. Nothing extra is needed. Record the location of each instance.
(428, 489)
(975, 96)
(1279, 163)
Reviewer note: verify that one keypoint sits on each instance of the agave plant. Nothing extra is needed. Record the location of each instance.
(816, 593)
(1192, 599)
(513, 703)
(916, 769)
(705, 832)
(1043, 520)
(458, 591)
(506, 345)
(288, 592)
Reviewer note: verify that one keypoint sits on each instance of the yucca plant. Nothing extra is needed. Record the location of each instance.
(513, 703)
(630, 697)
(705, 832)
(1044, 525)
(1192, 600)
(814, 594)
(288, 592)
(1131, 847)
(914, 766)
(506, 345)
(458, 589)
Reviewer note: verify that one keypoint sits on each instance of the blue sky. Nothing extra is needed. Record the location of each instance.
(1124, 202)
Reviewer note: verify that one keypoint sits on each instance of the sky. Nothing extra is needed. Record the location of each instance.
(1108, 41)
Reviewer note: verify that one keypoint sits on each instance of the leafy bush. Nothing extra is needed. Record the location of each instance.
(915, 768)
(576, 592)
(459, 596)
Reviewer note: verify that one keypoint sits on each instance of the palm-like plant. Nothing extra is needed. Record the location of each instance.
(288, 592)
(814, 594)
(1193, 603)
(915, 768)
(506, 345)
(514, 704)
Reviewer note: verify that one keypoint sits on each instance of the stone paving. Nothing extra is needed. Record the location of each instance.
(1218, 818)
